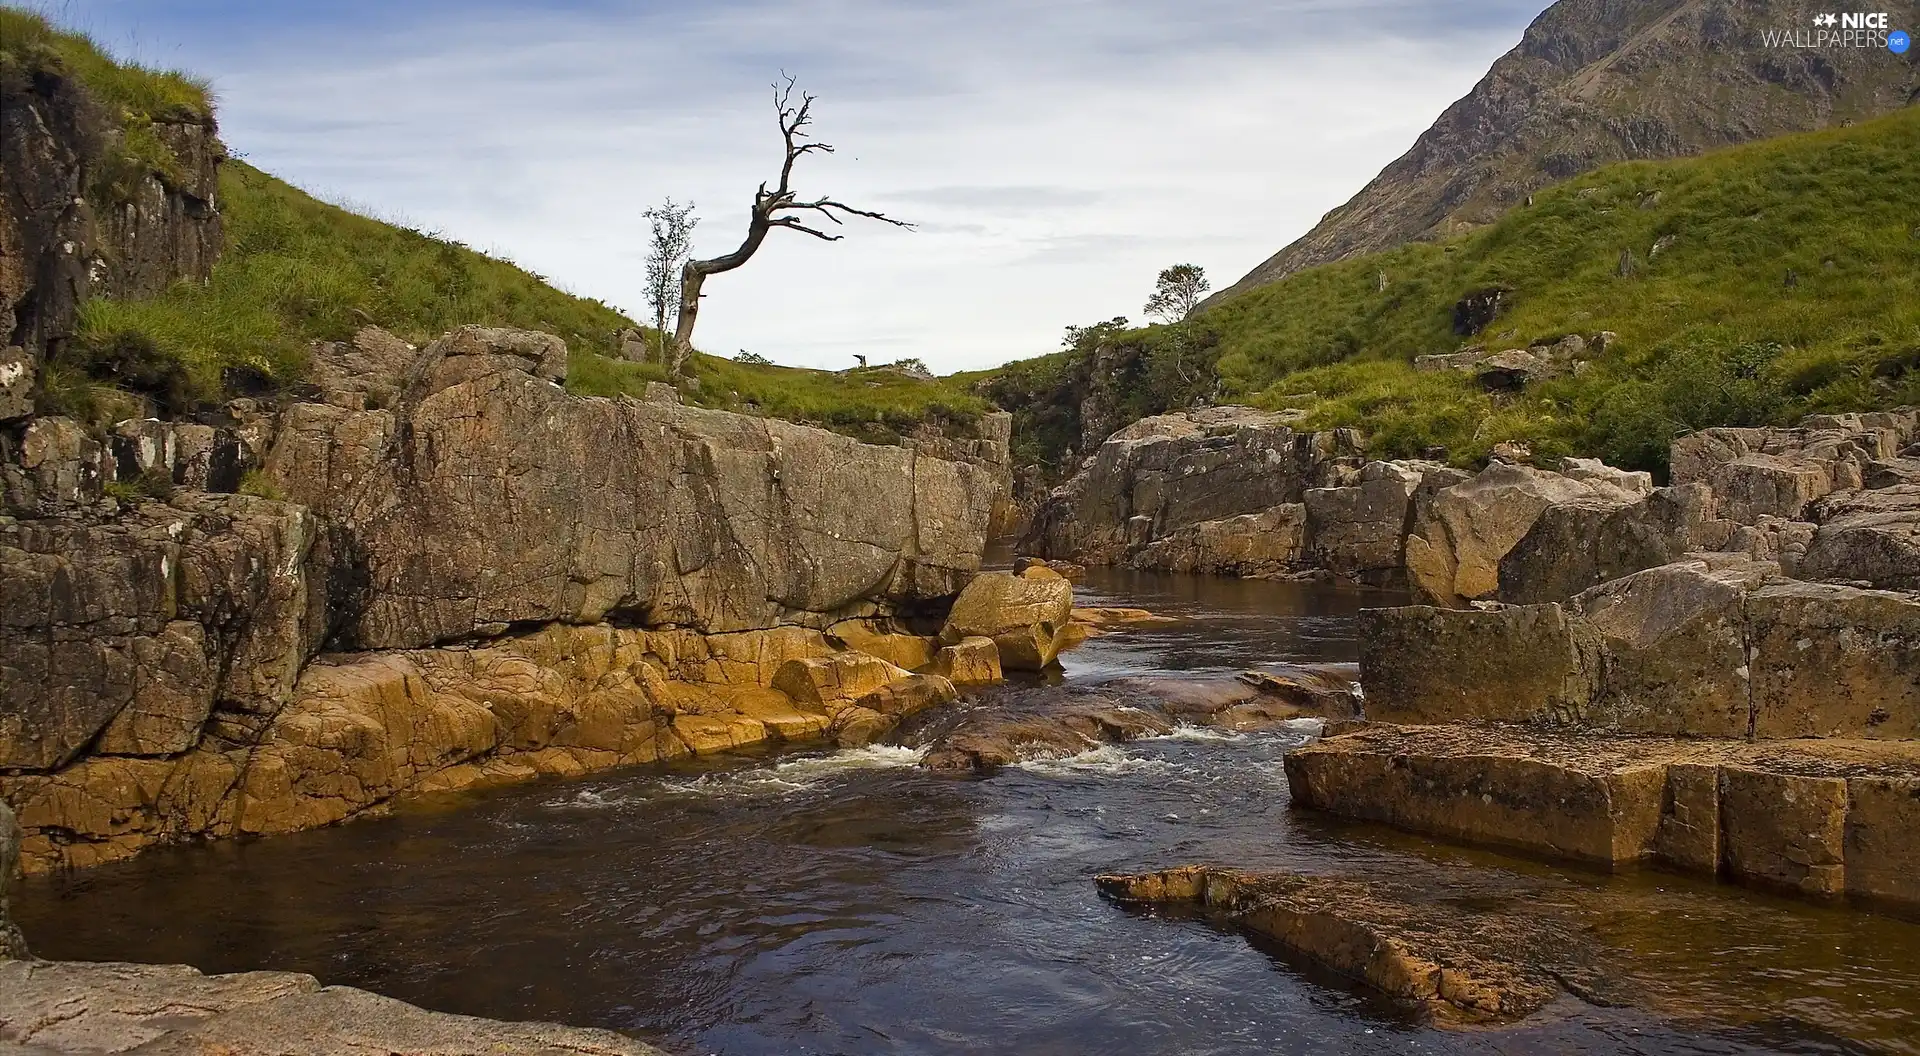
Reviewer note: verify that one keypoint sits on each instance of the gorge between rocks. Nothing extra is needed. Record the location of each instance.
(849, 901)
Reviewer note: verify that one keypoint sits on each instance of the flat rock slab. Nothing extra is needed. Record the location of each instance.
(1463, 966)
(75, 1007)
(1813, 817)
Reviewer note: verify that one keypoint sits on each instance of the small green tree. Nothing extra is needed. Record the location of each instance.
(667, 252)
(1177, 292)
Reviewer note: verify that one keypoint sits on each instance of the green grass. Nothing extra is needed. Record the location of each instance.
(131, 98)
(1711, 333)
(29, 43)
(297, 269)
(874, 404)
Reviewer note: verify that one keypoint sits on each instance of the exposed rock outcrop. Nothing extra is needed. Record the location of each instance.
(1870, 537)
(1252, 545)
(88, 1008)
(1826, 818)
(362, 729)
(1456, 542)
(83, 215)
(1591, 83)
(559, 584)
(1164, 473)
(129, 634)
(1712, 646)
(488, 495)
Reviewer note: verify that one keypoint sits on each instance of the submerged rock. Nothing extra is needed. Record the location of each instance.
(1018, 727)
(88, 1008)
(1462, 966)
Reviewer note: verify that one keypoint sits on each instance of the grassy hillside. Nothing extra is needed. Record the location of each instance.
(297, 269)
(1712, 331)
(29, 42)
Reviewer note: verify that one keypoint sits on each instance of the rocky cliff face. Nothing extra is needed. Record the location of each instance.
(12, 944)
(1173, 471)
(1238, 492)
(1599, 81)
(487, 496)
(532, 583)
(83, 215)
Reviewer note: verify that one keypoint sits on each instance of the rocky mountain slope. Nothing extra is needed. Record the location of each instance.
(1599, 81)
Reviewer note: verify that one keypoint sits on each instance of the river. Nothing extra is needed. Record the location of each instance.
(847, 902)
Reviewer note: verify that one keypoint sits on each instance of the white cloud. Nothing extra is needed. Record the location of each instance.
(1054, 156)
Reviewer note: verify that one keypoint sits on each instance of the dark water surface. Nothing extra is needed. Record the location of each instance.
(819, 902)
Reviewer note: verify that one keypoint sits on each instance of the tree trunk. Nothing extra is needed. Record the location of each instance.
(692, 278)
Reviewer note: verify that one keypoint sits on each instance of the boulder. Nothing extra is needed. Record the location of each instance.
(1457, 540)
(1422, 664)
(987, 742)
(1834, 661)
(1870, 537)
(1769, 485)
(1359, 532)
(859, 727)
(488, 495)
(1174, 471)
(969, 662)
(1023, 615)
(1666, 649)
(1269, 543)
(1573, 546)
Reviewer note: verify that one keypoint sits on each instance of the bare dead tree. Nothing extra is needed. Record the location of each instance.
(778, 207)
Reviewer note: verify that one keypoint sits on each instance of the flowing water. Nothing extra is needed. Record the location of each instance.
(848, 902)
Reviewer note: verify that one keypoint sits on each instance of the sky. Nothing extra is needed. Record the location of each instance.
(1052, 155)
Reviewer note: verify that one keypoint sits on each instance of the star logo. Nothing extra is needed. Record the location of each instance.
(1826, 20)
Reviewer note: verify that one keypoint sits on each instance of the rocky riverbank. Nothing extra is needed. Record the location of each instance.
(1236, 491)
(87, 1008)
(1721, 675)
(464, 575)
